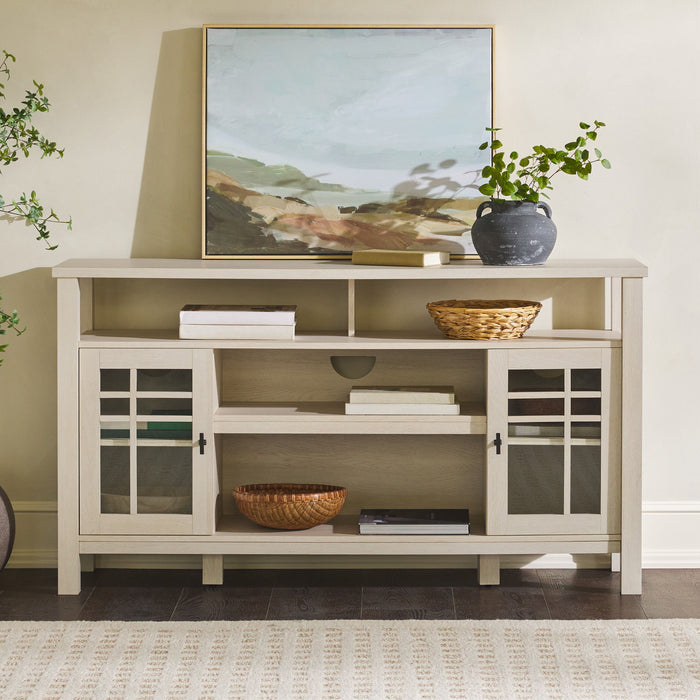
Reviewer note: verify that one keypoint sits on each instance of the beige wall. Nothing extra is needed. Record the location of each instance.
(124, 80)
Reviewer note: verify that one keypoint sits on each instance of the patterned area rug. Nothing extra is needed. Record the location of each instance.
(351, 659)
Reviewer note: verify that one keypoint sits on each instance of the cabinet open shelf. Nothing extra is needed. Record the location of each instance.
(330, 417)
(362, 340)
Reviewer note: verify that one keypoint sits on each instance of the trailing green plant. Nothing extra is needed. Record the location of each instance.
(529, 177)
(19, 138)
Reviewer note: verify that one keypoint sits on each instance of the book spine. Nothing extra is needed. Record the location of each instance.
(248, 318)
(408, 409)
(394, 397)
(408, 258)
(198, 331)
(370, 529)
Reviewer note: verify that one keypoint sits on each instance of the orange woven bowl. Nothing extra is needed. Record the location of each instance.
(289, 506)
(483, 319)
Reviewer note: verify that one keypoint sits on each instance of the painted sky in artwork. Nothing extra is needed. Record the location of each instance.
(358, 107)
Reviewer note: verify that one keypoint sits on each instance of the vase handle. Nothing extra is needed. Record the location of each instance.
(546, 207)
(481, 208)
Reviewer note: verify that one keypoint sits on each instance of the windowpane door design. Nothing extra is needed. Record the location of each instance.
(552, 465)
(140, 453)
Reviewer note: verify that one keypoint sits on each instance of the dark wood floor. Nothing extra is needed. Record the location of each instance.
(111, 594)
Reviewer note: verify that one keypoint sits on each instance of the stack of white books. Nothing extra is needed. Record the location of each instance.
(237, 322)
(402, 400)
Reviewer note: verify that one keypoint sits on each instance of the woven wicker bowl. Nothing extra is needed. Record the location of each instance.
(483, 319)
(289, 506)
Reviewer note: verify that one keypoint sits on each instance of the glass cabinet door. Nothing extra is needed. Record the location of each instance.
(551, 463)
(139, 452)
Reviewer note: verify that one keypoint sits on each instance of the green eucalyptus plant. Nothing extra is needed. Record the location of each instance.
(18, 138)
(528, 178)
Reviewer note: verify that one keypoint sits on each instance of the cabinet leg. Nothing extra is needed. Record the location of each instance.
(615, 562)
(630, 573)
(212, 569)
(87, 562)
(68, 571)
(489, 569)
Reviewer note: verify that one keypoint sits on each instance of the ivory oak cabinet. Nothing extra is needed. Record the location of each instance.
(154, 431)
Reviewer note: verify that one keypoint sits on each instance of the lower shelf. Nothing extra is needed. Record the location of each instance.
(236, 535)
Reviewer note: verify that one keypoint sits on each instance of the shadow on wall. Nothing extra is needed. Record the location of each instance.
(168, 218)
(28, 398)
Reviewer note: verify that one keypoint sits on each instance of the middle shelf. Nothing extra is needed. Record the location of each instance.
(327, 418)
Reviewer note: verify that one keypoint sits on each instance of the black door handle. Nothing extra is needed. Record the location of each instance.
(202, 442)
(498, 442)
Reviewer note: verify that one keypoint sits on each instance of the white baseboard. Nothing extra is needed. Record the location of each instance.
(33, 559)
(670, 539)
(671, 534)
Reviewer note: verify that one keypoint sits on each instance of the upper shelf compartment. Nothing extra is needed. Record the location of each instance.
(341, 305)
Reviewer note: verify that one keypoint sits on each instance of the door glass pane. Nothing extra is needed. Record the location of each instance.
(114, 430)
(114, 379)
(535, 479)
(585, 379)
(114, 479)
(164, 430)
(536, 430)
(585, 430)
(164, 479)
(114, 407)
(585, 407)
(535, 407)
(585, 478)
(536, 380)
(164, 407)
(164, 380)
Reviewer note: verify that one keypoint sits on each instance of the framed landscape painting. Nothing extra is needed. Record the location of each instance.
(322, 140)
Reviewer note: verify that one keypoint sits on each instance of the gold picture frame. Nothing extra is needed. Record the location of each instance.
(318, 140)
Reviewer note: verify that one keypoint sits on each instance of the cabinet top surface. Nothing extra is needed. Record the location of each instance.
(314, 269)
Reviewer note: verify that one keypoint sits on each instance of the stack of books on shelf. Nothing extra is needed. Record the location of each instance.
(402, 400)
(237, 322)
(414, 521)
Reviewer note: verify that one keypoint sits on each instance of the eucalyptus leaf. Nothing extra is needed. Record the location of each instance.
(19, 137)
(530, 177)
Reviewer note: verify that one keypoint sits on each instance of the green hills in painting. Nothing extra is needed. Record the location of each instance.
(257, 174)
(254, 208)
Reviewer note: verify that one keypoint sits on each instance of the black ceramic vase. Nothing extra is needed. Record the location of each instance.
(7, 528)
(514, 233)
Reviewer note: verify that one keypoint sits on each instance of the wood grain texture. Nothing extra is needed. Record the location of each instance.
(407, 603)
(518, 597)
(315, 603)
(587, 594)
(222, 603)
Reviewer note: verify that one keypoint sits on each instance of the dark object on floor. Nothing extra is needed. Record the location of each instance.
(7, 528)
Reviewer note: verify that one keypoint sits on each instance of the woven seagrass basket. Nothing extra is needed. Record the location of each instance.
(289, 506)
(483, 319)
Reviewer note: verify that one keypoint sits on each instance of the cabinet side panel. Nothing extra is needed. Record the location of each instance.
(631, 515)
(68, 327)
